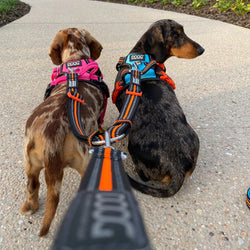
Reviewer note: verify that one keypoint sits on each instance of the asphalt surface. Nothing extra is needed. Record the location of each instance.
(209, 212)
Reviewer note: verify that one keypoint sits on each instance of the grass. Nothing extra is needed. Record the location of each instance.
(5, 6)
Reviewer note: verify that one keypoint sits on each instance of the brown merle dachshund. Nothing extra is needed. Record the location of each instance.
(49, 142)
(163, 146)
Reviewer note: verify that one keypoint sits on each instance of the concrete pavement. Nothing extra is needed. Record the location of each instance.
(209, 212)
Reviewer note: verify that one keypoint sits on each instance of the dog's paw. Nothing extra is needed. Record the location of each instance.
(29, 208)
(44, 230)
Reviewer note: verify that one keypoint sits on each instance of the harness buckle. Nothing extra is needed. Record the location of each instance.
(72, 86)
(135, 76)
(135, 64)
(72, 81)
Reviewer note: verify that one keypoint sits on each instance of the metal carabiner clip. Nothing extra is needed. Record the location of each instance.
(110, 140)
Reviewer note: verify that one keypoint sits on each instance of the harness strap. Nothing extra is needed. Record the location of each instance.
(86, 69)
(118, 87)
(164, 76)
(149, 66)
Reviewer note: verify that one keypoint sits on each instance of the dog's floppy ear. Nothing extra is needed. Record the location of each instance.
(154, 44)
(94, 46)
(56, 49)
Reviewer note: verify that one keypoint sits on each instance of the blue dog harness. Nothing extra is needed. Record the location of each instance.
(149, 70)
(139, 62)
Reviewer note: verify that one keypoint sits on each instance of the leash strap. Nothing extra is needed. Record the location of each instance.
(124, 121)
(74, 107)
(121, 126)
(104, 214)
(140, 66)
(74, 111)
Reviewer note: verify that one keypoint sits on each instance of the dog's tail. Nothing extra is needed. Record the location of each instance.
(159, 189)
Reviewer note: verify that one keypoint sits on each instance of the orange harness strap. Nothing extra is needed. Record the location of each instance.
(133, 93)
(164, 76)
(118, 88)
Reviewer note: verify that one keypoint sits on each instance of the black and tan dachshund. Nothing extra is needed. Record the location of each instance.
(163, 146)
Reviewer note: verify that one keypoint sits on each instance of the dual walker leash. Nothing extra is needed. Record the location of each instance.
(123, 123)
(104, 215)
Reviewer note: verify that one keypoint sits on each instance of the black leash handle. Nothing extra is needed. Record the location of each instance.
(104, 215)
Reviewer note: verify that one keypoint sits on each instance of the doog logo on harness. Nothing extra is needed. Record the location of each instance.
(74, 64)
(137, 57)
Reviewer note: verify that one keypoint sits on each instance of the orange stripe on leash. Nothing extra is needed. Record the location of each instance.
(102, 138)
(90, 138)
(123, 121)
(114, 130)
(75, 114)
(129, 105)
(106, 174)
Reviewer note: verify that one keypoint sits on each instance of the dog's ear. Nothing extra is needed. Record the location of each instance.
(56, 49)
(94, 46)
(154, 44)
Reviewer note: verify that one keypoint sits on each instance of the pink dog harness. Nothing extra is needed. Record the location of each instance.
(86, 70)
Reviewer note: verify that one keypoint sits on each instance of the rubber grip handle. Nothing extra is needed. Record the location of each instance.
(99, 219)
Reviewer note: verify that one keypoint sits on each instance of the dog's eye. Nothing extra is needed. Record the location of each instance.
(179, 32)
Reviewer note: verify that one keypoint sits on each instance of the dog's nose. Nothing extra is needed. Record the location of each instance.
(200, 50)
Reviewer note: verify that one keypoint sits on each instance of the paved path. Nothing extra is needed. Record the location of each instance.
(209, 212)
